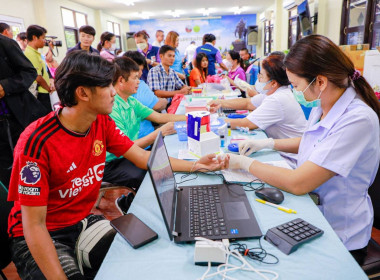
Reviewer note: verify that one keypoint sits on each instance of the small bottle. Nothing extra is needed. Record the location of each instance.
(228, 129)
(222, 141)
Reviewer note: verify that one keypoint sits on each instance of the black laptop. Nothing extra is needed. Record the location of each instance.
(210, 211)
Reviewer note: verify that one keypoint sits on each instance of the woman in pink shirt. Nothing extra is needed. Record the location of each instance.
(107, 46)
(236, 68)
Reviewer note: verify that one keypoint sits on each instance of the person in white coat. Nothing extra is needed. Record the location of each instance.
(338, 155)
(278, 114)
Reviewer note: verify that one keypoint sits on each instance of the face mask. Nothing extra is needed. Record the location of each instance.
(113, 47)
(298, 95)
(142, 46)
(260, 86)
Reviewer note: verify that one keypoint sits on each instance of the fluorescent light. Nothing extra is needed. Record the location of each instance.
(206, 12)
(176, 13)
(126, 2)
(237, 10)
(144, 15)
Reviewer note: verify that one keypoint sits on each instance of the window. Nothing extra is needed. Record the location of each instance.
(294, 27)
(268, 39)
(114, 28)
(360, 22)
(72, 21)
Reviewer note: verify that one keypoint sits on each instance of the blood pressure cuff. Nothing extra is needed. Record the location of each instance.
(94, 241)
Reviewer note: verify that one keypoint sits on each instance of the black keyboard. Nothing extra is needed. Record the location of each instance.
(289, 236)
(206, 215)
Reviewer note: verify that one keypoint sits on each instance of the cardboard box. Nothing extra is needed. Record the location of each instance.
(357, 58)
(362, 47)
(348, 47)
(208, 143)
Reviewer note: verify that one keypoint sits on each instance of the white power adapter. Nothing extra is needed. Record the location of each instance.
(210, 251)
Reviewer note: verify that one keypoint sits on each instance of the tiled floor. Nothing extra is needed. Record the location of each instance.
(108, 209)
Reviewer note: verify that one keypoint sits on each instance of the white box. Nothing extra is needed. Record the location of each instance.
(372, 67)
(209, 144)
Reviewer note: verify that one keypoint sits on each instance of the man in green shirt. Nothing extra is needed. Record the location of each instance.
(36, 40)
(128, 112)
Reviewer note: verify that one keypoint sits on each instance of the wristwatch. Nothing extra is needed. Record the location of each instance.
(151, 62)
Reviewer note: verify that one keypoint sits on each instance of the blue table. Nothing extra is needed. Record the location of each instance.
(323, 258)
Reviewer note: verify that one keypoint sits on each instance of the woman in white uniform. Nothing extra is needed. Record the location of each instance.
(279, 114)
(338, 155)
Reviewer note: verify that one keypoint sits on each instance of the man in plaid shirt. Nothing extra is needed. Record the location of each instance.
(163, 81)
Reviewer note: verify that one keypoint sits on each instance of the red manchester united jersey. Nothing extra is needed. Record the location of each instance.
(61, 169)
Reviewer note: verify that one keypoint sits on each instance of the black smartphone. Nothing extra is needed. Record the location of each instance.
(134, 231)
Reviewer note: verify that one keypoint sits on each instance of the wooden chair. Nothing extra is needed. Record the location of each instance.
(105, 186)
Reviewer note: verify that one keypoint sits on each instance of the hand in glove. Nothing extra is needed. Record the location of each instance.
(248, 147)
(240, 162)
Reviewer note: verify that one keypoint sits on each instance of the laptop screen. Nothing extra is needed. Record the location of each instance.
(163, 181)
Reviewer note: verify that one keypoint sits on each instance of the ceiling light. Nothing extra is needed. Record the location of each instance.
(206, 12)
(237, 10)
(176, 13)
(126, 2)
(144, 15)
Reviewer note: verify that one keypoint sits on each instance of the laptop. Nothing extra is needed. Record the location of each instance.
(210, 211)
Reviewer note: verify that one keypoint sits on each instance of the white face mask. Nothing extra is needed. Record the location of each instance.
(261, 85)
(142, 46)
(113, 47)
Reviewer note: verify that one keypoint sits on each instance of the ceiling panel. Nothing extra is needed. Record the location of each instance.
(163, 9)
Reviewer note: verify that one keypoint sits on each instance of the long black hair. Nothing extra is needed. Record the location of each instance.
(198, 59)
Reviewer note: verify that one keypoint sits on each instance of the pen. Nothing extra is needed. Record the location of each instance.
(287, 210)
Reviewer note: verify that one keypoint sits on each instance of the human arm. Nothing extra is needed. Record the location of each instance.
(140, 157)
(151, 63)
(289, 145)
(244, 122)
(168, 94)
(219, 60)
(41, 82)
(251, 92)
(17, 73)
(166, 129)
(160, 105)
(164, 118)
(181, 76)
(236, 103)
(39, 241)
(302, 180)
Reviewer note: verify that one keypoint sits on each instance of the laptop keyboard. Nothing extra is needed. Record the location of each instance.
(206, 214)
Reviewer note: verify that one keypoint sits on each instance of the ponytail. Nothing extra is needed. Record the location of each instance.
(106, 36)
(99, 47)
(367, 93)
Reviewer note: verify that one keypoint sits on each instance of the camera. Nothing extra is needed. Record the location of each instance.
(55, 43)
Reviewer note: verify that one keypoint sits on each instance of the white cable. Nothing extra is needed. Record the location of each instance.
(228, 267)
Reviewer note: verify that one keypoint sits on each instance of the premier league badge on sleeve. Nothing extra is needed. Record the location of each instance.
(30, 173)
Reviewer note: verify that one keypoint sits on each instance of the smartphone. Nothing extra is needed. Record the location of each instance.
(134, 231)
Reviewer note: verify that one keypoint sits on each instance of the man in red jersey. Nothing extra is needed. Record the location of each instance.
(58, 169)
